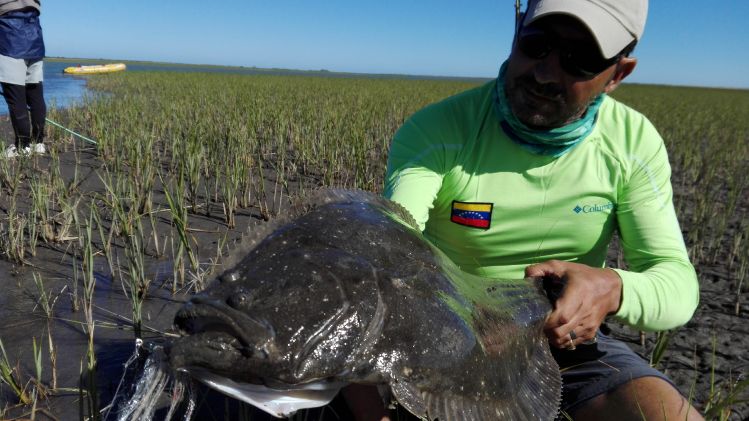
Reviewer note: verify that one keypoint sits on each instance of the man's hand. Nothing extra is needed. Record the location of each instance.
(589, 295)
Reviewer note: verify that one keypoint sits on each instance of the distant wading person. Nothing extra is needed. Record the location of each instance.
(531, 174)
(21, 68)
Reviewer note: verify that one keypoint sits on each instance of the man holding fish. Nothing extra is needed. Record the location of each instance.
(531, 175)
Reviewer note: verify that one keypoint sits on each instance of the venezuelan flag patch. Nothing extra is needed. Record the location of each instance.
(476, 215)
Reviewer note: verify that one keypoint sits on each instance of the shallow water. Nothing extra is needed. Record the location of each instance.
(22, 319)
(60, 90)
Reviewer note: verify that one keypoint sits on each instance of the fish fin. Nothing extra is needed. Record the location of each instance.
(537, 397)
(409, 397)
(301, 205)
(327, 195)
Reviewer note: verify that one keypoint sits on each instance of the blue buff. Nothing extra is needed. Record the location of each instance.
(555, 142)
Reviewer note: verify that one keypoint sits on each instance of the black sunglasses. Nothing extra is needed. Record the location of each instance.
(577, 59)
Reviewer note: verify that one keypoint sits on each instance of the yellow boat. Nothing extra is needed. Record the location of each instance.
(95, 69)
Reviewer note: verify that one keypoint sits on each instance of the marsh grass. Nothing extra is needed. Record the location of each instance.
(720, 405)
(47, 303)
(178, 148)
(10, 374)
(742, 272)
(32, 390)
(660, 347)
(41, 220)
(723, 397)
(89, 401)
(105, 239)
(13, 235)
(175, 199)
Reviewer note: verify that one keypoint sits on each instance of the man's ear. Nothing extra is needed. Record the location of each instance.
(625, 66)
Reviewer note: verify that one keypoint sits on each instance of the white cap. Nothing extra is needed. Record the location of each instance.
(613, 23)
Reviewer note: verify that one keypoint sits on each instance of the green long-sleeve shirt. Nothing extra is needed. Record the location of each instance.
(495, 208)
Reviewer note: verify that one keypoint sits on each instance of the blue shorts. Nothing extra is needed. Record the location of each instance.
(591, 370)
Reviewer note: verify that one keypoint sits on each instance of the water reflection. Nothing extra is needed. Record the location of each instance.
(59, 89)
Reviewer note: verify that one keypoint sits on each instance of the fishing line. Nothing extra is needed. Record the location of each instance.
(54, 123)
(70, 131)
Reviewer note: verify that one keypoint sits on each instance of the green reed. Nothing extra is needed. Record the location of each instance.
(660, 347)
(127, 225)
(141, 171)
(89, 402)
(190, 160)
(175, 199)
(105, 237)
(10, 374)
(41, 195)
(47, 303)
(13, 235)
(305, 124)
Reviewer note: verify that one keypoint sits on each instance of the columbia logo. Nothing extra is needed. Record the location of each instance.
(598, 207)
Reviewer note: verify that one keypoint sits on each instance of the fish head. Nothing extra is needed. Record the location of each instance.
(278, 324)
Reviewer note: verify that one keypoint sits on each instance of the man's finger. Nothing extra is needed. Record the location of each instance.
(548, 268)
(535, 271)
(569, 314)
(559, 334)
(566, 309)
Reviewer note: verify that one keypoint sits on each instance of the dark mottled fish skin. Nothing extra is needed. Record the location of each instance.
(349, 290)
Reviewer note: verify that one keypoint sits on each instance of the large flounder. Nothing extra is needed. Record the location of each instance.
(349, 291)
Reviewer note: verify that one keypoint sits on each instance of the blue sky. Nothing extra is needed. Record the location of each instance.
(702, 43)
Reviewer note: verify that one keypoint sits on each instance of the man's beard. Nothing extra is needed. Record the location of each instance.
(547, 109)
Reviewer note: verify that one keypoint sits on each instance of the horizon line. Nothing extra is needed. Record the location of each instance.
(339, 72)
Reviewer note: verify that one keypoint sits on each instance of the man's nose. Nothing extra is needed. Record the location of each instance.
(548, 69)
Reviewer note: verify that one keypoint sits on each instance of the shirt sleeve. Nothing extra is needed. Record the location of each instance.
(660, 291)
(415, 167)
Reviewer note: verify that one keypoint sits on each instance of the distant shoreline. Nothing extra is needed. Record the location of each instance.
(323, 72)
(261, 70)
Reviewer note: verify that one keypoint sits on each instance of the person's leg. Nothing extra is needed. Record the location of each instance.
(15, 97)
(38, 109)
(608, 378)
(644, 398)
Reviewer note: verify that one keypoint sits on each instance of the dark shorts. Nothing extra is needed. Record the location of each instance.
(591, 370)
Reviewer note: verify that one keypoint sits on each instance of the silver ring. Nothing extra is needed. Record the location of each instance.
(591, 341)
(571, 346)
(573, 335)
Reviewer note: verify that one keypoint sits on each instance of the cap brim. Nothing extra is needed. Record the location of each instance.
(608, 32)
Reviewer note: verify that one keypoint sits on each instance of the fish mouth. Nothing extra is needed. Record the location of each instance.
(210, 327)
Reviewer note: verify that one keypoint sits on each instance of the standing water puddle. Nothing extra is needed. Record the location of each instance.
(24, 323)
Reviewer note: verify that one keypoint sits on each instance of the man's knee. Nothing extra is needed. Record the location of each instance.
(644, 398)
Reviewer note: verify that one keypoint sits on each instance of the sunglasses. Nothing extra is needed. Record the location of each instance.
(575, 58)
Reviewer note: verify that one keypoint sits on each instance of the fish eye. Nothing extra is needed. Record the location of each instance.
(229, 277)
(239, 300)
